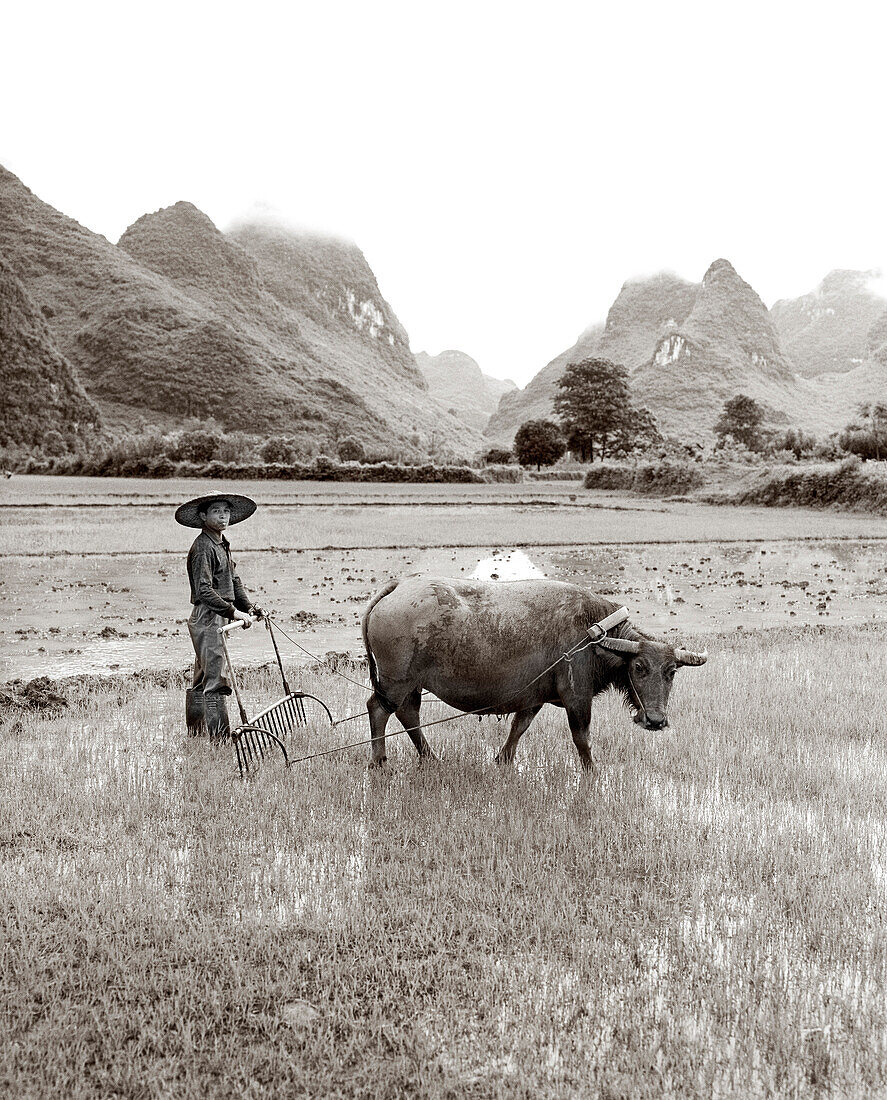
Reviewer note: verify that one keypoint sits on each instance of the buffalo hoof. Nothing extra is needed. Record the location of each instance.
(377, 765)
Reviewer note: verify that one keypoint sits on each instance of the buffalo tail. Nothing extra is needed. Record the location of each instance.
(374, 672)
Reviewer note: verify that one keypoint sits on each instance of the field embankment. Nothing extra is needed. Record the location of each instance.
(699, 917)
(848, 484)
(651, 478)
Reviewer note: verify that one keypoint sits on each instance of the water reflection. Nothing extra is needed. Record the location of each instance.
(507, 565)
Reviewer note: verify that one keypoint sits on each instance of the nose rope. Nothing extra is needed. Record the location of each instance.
(636, 699)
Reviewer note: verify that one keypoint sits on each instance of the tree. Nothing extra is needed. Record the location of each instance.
(638, 431)
(53, 443)
(497, 456)
(593, 404)
(741, 418)
(873, 429)
(539, 443)
(868, 436)
(580, 443)
(796, 440)
(350, 449)
(277, 451)
(874, 415)
(197, 446)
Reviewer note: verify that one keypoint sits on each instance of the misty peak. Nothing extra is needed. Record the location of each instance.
(844, 281)
(271, 230)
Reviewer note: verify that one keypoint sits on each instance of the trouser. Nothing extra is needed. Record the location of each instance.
(210, 666)
(205, 706)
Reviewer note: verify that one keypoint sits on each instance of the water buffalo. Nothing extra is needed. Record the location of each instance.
(487, 647)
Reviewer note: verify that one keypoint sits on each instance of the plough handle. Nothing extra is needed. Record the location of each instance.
(236, 625)
(240, 706)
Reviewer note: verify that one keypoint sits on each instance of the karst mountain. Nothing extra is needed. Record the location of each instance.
(457, 381)
(274, 331)
(827, 330)
(41, 393)
(689, 347)
(262, 329)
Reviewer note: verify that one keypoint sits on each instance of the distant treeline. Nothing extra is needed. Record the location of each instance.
(320, 469)
(209, 452)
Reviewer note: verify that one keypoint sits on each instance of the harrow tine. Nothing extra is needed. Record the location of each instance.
(248, 755)
(251, 748)
(237, 753)
(300, 707)
(275, 723)
(245, 753)
(255, 744)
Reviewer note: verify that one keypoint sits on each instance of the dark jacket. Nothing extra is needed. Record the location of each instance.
(213, 576)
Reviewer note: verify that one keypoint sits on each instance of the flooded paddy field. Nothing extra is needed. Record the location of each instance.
(93, 575)
(701, 915)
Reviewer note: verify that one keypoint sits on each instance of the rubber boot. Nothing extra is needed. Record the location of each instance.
(215, 706)
(194, 712)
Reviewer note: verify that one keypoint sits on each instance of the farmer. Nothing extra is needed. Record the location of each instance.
(218, 597)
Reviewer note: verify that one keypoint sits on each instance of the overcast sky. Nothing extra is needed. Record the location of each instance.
(504, 167)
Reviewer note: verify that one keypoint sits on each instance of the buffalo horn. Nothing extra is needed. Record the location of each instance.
(620, 645)
(686, 657)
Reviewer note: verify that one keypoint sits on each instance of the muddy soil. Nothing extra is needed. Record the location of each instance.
(117, 599)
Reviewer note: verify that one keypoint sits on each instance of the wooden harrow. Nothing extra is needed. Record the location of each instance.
(266, 733)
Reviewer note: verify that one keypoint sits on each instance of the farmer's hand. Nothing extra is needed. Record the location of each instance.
(242, 616)
(259, 612)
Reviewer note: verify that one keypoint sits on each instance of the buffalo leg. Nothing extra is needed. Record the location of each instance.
(519, 725)
(379, 716)
(579, 720)
(408, 716)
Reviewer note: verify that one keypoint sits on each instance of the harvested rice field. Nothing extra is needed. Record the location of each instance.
(701, 915)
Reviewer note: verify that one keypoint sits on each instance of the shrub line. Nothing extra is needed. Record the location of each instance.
(846, 485)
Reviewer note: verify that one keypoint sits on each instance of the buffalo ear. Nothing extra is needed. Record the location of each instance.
(687, 657)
